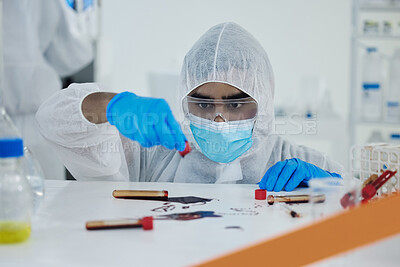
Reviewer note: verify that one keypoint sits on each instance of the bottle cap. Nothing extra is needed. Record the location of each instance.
(347, 200)
(11, 148)
(261, 194)
(147, 223)
(368, 192)
(186, 150)
(395, 136)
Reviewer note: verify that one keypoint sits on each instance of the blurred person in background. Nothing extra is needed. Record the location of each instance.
(42, 42)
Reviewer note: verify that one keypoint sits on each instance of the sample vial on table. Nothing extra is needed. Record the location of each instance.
(15, 193)
(146, 223)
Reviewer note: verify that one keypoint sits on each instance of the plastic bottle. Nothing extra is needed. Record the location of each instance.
(15, 193)
(31, 166)
(372, 76)
(393, 93)
(395, 138)
(375, 137)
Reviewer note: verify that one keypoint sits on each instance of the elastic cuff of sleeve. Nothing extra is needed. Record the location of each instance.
(110, 113)
(80, 108)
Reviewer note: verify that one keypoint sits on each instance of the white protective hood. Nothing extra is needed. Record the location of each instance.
(229, 54)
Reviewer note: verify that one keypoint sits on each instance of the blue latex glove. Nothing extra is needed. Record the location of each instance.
(146, 120)
(290, 173)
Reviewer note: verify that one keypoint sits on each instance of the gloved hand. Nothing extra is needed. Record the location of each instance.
(146, 120)
(290, 173)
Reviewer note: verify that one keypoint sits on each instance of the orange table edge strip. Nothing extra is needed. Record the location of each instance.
(342, 232)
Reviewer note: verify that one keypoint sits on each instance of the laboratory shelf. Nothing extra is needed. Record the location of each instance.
(379, 123)
(361, 129)
(378, 37)
(389, 8)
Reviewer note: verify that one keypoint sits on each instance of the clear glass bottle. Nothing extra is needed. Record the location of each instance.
(35, 177)
(15, 193)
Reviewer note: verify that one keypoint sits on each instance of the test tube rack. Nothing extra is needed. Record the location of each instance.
(369, 159)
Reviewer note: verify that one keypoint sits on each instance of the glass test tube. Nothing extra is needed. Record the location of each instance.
(141, 194)
(295, 199)
(146, 223)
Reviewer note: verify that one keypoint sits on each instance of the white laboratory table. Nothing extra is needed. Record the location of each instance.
(59, 237)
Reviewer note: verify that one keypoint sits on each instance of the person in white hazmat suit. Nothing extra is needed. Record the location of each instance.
(226, 88)
(41, 42)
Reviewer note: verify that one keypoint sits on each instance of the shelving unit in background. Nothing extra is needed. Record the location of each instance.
(386, 44)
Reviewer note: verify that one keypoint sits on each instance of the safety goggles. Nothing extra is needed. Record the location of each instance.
(227, 109)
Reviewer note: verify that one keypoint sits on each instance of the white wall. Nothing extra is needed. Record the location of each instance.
(301, 37)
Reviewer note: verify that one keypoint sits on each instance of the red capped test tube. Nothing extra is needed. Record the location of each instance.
(146, 223)
(141, 194)
(370, 190)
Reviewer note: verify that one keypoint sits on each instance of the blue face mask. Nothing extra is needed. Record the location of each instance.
(222, 141)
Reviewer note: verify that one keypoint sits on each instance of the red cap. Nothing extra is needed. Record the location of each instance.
(147, 223)
(186, 150)
(348, 200)
(261, 194)
(345, 201)
(368, 192)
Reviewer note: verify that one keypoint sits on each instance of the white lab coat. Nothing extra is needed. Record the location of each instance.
(42, 41)
(98, 152)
